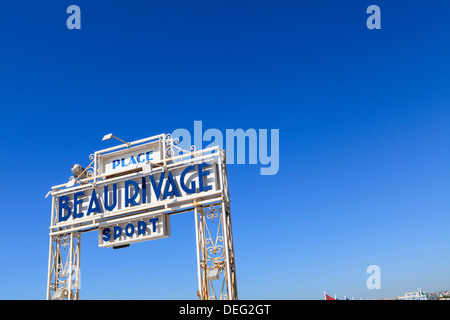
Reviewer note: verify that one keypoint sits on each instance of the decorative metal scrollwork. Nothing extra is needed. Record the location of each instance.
(172, 150)
(214, 242)
(64, 240)
(215, 245)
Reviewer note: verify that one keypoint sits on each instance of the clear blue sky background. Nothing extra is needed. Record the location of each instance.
(364, 138)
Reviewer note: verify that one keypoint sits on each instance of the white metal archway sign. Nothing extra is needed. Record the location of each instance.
(128, 193)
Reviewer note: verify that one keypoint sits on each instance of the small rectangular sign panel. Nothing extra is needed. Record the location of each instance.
(130, 158)
(134, 230)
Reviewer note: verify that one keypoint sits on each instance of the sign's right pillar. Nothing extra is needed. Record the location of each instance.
(215, 252)
(229, 251)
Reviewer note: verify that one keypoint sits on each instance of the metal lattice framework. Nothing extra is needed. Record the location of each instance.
(214, 239)
(64, 266)
(215, 254)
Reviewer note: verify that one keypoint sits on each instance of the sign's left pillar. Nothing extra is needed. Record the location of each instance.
(63, 280)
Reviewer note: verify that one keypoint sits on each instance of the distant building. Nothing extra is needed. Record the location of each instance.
(419, 295)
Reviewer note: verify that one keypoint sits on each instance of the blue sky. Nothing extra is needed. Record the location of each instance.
(363, 117)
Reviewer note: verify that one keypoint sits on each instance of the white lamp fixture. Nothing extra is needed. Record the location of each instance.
(110, 136)
(213, 274)
(60, 294)
(78, 171)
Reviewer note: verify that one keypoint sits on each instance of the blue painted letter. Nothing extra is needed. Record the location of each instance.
(141, 227)
(117, 232)
(131, 200)
(170, 182)
(105, 193)
(201, 175)
(94, 201)
(157, 187)
(76, 202)
(183, 182)
(106, 235)
(64, 204)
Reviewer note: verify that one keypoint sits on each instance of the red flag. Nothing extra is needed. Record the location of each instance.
(327, 297)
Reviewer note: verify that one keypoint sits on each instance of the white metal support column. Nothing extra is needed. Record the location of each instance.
(229, 251)
(64, 267)
(215, 253)
(199, 239)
